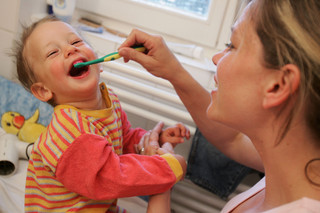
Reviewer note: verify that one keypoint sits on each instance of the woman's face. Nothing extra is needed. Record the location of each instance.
(240, 78)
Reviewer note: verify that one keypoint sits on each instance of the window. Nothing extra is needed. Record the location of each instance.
(202, 22)
(195, 7)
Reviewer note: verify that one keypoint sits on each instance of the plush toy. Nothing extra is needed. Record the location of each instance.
(26, 130)
(23, 118)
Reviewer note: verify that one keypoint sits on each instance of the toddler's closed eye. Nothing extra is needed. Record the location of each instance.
(76, 42)
(52, 53)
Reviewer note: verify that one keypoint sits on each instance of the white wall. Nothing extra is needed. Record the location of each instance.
(13, 13)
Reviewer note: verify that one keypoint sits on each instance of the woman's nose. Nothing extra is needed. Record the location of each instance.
(216, 57)
(70, 49)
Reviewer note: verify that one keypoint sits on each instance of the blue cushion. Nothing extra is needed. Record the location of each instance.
(13, 97)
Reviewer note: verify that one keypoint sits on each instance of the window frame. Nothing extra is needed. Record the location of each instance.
(188, 28)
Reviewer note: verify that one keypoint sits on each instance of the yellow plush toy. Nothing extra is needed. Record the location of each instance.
(26, 130)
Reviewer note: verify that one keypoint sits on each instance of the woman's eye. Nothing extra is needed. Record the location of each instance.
(229, 46)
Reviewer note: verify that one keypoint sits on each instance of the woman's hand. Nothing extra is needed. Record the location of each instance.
(149, 144)
(158, 59)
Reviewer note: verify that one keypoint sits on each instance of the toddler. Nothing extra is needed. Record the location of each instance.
(88, 156)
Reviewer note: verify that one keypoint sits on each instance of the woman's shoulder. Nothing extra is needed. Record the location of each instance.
(242, 197)
(303, 205)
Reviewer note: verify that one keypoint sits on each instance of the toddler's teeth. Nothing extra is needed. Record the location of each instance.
(76, 62)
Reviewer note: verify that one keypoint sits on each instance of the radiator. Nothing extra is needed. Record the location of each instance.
(144, 95)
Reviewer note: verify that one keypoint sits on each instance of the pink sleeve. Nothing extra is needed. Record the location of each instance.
(130, 136)
(90, 168)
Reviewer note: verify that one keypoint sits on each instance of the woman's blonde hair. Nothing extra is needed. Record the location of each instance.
(290, 34)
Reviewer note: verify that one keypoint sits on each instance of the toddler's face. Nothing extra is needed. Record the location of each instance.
(51, 50)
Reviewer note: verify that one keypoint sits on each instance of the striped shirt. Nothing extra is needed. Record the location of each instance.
(85, 160)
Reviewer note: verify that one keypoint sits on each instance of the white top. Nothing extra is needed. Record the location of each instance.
(304, 205)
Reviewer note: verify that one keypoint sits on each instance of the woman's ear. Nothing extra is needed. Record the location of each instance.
(41, 92)
(283, 84)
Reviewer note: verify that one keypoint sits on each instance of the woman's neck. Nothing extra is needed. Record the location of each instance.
(285, 164)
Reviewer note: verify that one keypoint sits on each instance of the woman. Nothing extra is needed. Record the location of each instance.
(265, 112)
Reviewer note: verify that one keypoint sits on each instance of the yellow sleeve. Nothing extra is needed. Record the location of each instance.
(174, 165)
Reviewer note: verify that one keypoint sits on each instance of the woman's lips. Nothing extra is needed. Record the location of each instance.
(214, 84)
(215, 79)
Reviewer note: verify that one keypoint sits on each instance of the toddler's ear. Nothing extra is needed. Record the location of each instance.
(41, 92)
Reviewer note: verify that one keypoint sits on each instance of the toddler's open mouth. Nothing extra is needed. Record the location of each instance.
(76, 72)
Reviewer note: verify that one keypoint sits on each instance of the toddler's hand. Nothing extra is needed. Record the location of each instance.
(174, 134)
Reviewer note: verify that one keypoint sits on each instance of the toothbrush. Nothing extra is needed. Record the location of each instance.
(109, 57)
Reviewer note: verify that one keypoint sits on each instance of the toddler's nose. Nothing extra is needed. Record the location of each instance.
(70, 49)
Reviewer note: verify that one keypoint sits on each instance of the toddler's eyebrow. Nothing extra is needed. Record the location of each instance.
(48, 44)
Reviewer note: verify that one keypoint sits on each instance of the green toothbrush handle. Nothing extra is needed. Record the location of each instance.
(115, 55)
(109, 57)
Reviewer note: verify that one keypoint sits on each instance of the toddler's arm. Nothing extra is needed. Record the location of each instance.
(159, 203)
